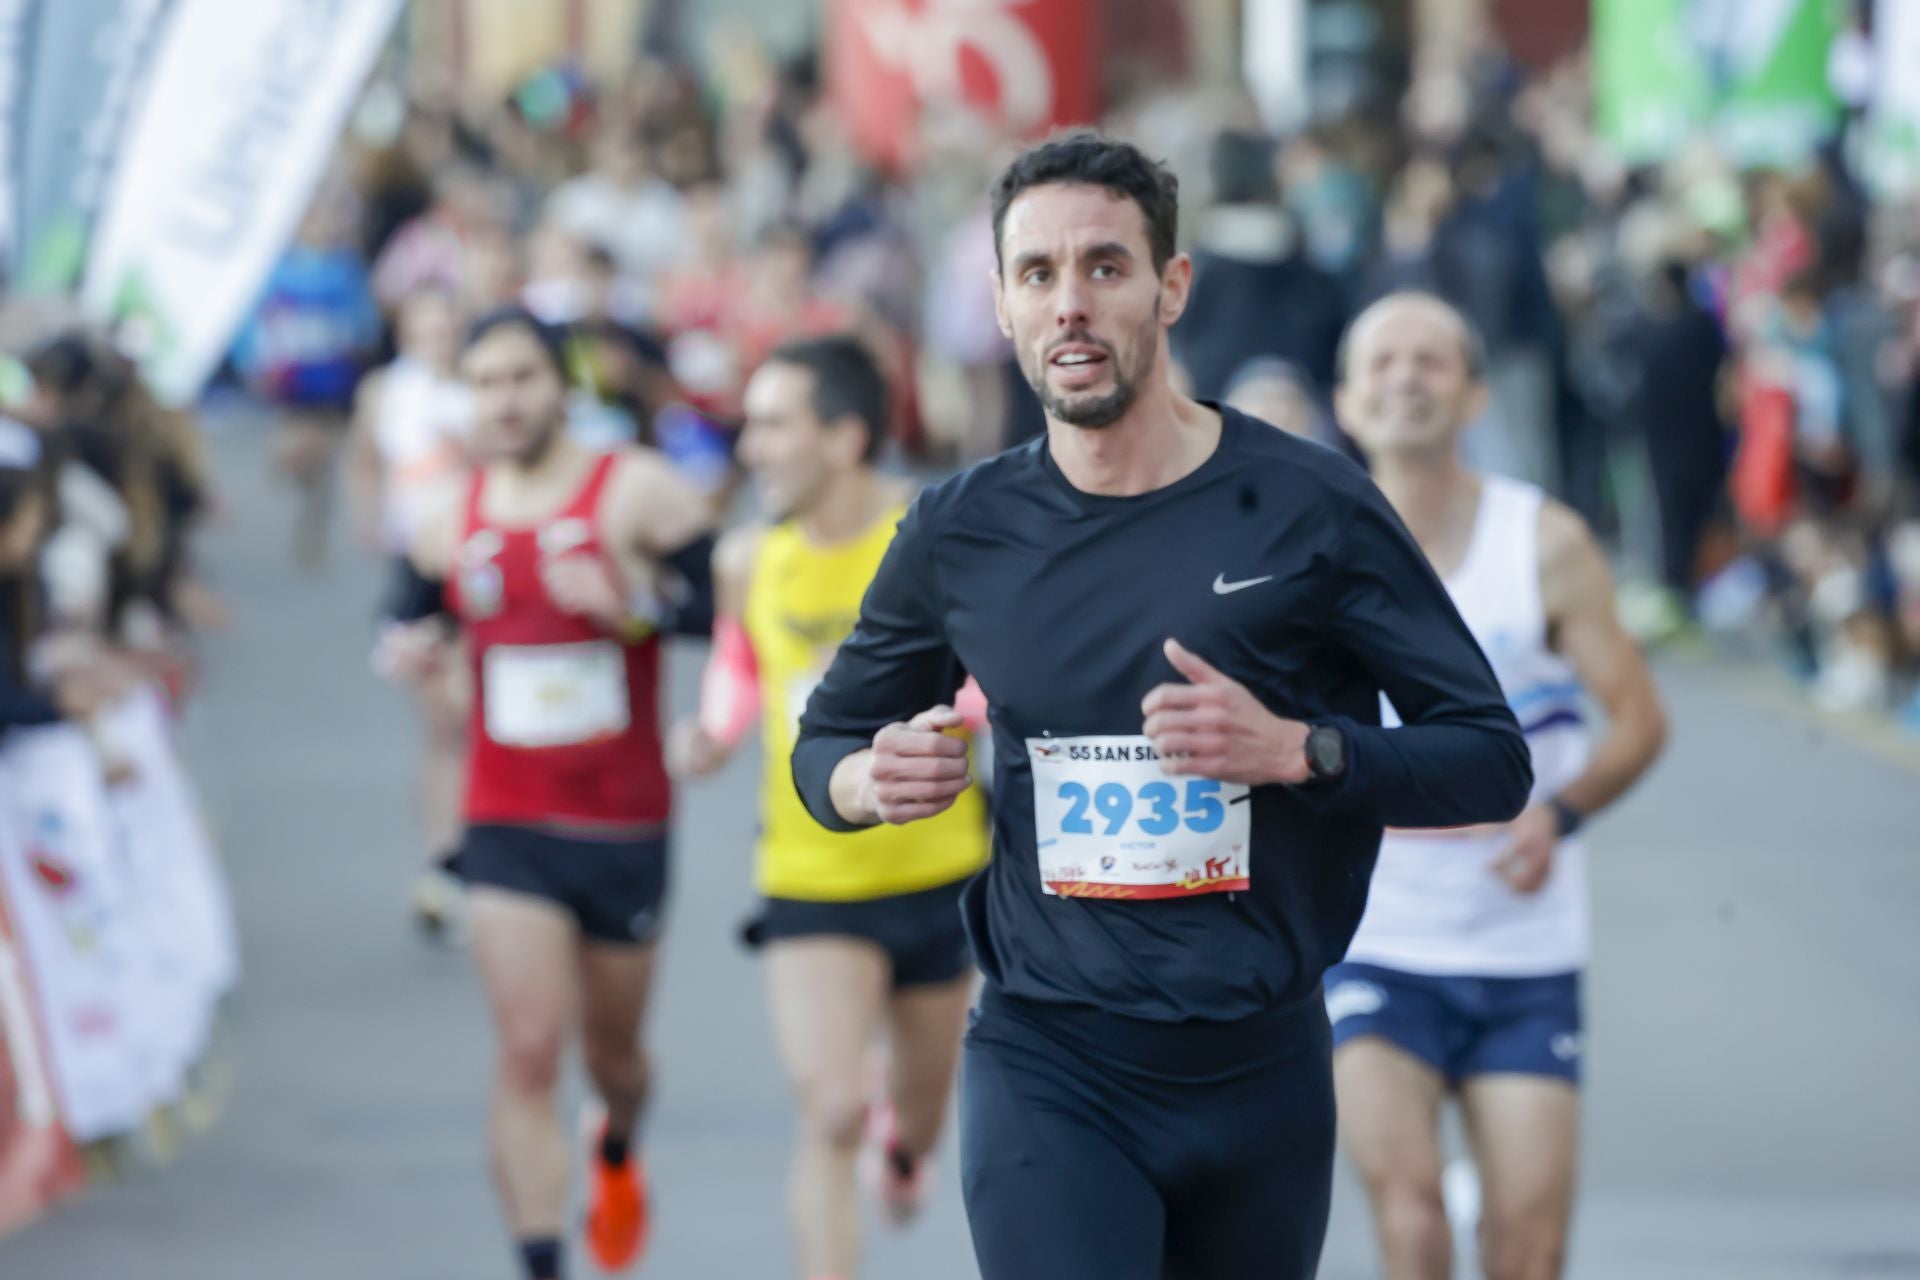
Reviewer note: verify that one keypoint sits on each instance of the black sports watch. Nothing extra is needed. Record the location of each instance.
(1566, 818)
(1326, 753)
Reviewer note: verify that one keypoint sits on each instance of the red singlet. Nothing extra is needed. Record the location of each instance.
(566, 722)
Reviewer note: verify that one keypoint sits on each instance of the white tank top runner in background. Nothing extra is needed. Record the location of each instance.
(421, 423)
(1434, 905)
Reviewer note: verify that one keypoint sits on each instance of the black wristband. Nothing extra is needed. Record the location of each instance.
(686, 604)
(1566, 819)
(413, 596)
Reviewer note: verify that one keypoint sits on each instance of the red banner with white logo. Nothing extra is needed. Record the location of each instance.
(1027, 66)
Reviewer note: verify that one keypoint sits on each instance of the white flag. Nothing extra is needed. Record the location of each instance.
(238, 118)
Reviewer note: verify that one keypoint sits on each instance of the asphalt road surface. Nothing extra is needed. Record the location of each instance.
(1753, 1107)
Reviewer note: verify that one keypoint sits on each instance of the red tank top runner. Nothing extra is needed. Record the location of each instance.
(565, 725)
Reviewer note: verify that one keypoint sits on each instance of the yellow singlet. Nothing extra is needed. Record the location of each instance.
(802, 601)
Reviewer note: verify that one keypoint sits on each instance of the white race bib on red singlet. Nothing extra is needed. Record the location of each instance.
(1108, 823)
(555, 695)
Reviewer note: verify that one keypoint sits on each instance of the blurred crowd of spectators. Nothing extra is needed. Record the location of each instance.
(1717, 368)
(100, 488)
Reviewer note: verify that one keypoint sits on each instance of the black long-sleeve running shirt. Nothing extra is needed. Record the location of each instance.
(1277, 561)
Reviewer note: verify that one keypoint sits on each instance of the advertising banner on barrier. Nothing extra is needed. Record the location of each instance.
(1026, 65)
(38, 1162)
(174, 875)
(233, 129)
(71, 911)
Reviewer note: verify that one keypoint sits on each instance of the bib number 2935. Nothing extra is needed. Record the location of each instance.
(1109, 823)
(1154, 810)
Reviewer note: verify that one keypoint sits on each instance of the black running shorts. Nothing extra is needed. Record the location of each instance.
(1097, 1145)
(614, 888)
(922, 933)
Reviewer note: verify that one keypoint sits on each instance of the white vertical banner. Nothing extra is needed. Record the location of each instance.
(1893, 130)
(234, 128)
(70, 908)
(16, 37)
(1273, 61)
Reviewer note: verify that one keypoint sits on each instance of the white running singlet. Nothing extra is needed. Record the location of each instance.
(1435, 906)
(420, 424)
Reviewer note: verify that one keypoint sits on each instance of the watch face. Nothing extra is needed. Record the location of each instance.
(1324, 747)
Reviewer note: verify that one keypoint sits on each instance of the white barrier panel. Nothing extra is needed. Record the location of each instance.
(119, 911)
(73, 916)
(177, 885)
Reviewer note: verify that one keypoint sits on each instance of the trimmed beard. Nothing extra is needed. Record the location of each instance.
(1111, 407)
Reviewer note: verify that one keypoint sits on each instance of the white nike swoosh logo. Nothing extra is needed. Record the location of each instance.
(1221, 587)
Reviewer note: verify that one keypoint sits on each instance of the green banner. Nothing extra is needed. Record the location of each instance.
(1778, 104)
(1650, 90)
(1754, 72)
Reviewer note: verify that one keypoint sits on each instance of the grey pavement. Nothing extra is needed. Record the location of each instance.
(1753, 1107)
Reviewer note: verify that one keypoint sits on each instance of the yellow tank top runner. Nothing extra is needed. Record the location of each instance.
(802, 601)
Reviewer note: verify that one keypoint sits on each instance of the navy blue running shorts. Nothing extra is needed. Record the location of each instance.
(1462, 1027)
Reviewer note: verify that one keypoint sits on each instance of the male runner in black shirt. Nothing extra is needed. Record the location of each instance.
(1183, 621)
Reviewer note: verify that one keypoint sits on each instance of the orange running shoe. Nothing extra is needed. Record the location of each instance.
(617, 1218)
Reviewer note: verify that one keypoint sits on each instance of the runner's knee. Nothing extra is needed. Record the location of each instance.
(833, 1111)
(1411, 1212)
(1524, 1244)
(530, 1051)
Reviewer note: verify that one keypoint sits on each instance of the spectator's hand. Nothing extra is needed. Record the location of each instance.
(120, 674)
(200, 606)
(1829, 457)
(586, 585)
(1214, 727)
(918, 769)
(116, 770)
(1525, 863)
(80, 695)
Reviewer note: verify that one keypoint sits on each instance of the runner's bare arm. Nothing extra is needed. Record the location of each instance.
(416, 645)
(733, 557)
(661, 530)
(701, 744)
(1577, 591)
(365, 478)
(436, 537)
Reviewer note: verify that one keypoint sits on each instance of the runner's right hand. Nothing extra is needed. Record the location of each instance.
(918, 768)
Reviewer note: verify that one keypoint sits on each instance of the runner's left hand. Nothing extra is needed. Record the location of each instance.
(692, 752)
(1525, 862)
(585, 585)
(1214, 727)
